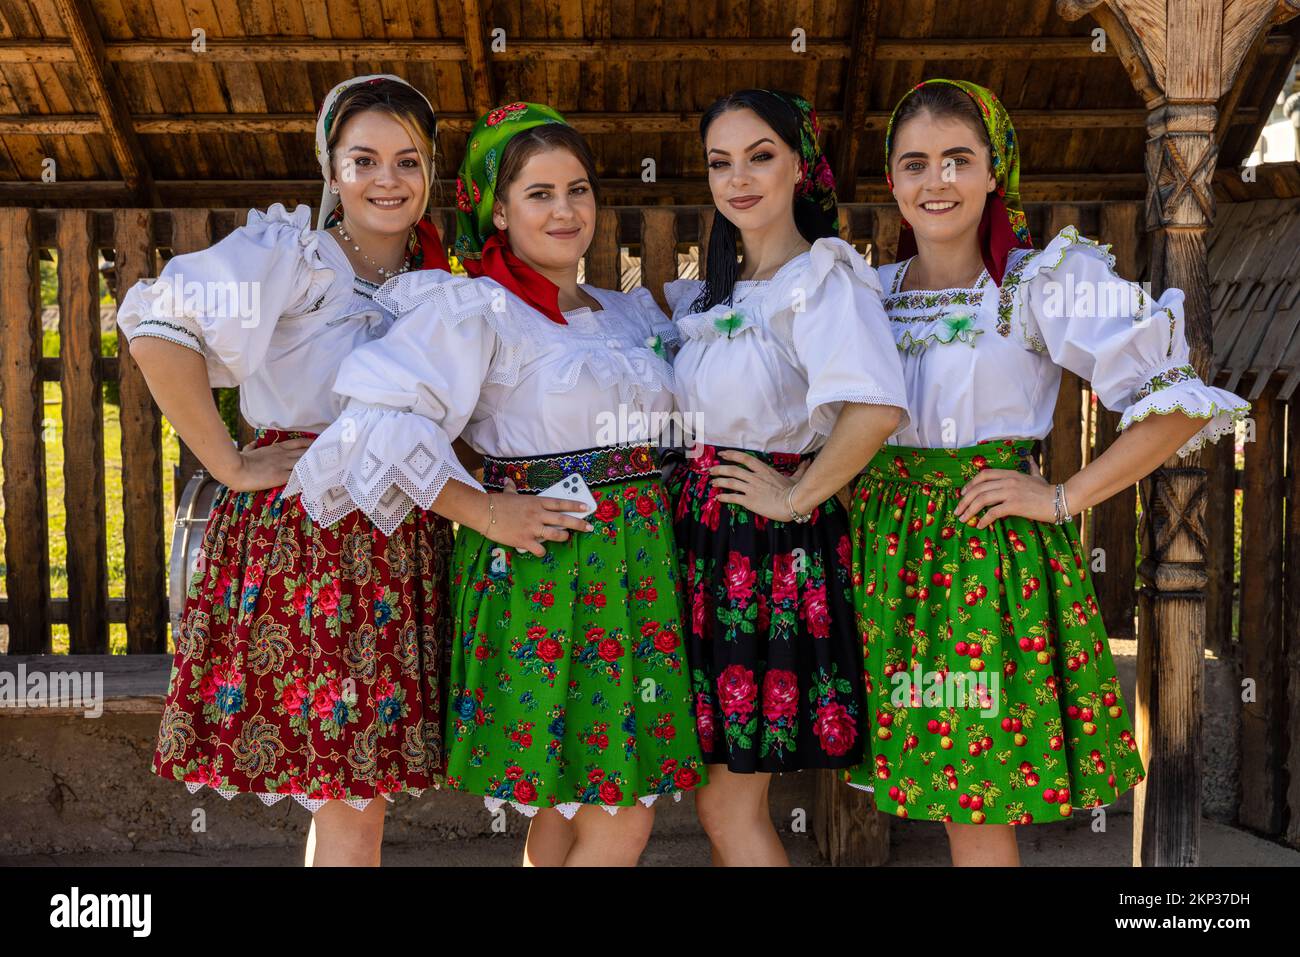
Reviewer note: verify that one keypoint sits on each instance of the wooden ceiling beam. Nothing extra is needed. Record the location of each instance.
(155, 124)
(167, 123)
(1279, 76)
(866, 24)
(293, 50)
(289, 49)
(105, 92)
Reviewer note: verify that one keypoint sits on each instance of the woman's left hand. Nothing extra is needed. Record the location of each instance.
(755, 485)
(1006, 492)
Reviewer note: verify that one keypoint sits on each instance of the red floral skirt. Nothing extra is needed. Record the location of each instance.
(774, 652)
(310, 662)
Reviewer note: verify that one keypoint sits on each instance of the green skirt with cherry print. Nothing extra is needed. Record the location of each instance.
(568, 677)
(991, 693)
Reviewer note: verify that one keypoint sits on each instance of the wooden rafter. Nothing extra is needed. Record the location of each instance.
(1153, 44)
(894, 49)
(1126, 43)
(866, 24)
(482, 89)
(105, 92)
(587, 123)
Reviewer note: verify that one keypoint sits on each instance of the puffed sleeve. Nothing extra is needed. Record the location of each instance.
(1107, 330)
(409, 395)
(224, 301)
(841, 335)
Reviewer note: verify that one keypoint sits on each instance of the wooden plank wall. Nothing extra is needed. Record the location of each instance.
(1260, 652)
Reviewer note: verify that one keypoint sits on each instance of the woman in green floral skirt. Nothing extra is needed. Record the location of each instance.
(992, 694)
(569, 694)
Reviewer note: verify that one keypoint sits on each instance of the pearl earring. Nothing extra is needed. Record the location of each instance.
(334, 190)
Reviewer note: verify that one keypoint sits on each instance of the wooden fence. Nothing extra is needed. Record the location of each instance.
(131, 240)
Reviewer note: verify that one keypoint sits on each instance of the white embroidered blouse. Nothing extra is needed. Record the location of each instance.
(985, 362)
(771, 371)
(274, 307)
(468, 358)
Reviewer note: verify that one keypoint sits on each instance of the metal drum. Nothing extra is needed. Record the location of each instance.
(187, 539)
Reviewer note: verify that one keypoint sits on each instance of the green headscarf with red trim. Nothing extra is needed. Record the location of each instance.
(477, 178)
(482, 248)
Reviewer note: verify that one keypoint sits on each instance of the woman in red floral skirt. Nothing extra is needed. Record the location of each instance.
(310, 658)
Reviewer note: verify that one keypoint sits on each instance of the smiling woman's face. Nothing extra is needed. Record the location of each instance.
(377, 171)
(942, 176)
(752, 172)
(549, 210)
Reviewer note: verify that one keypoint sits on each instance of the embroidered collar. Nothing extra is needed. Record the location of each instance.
(896, 287)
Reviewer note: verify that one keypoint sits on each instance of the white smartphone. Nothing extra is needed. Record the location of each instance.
(574, 488)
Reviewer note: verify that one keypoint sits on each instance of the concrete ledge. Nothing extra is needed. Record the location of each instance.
(72, 784)
(128, 684)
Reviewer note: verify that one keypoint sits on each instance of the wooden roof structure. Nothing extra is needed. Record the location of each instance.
(1254, 258)
(207, 103)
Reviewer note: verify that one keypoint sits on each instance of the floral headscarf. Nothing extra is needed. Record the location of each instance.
(482, 248)
(1003, 226)
(424, 245)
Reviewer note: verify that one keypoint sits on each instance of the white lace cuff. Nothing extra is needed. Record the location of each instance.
(380, 460)
(1180, 390)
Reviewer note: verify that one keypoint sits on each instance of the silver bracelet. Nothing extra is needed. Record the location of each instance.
(1062, 507)
(789, 503)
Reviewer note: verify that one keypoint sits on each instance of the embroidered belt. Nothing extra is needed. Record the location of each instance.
(607, 465)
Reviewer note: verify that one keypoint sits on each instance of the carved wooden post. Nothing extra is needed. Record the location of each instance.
(1182, 56)
(1180, 161)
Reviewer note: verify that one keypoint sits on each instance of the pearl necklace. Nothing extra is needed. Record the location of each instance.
(385, 273)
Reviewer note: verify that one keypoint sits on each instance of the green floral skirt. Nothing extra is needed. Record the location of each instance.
(991, 692)
(569, 683)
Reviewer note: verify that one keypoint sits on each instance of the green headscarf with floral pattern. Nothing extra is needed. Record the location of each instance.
(477, 178)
